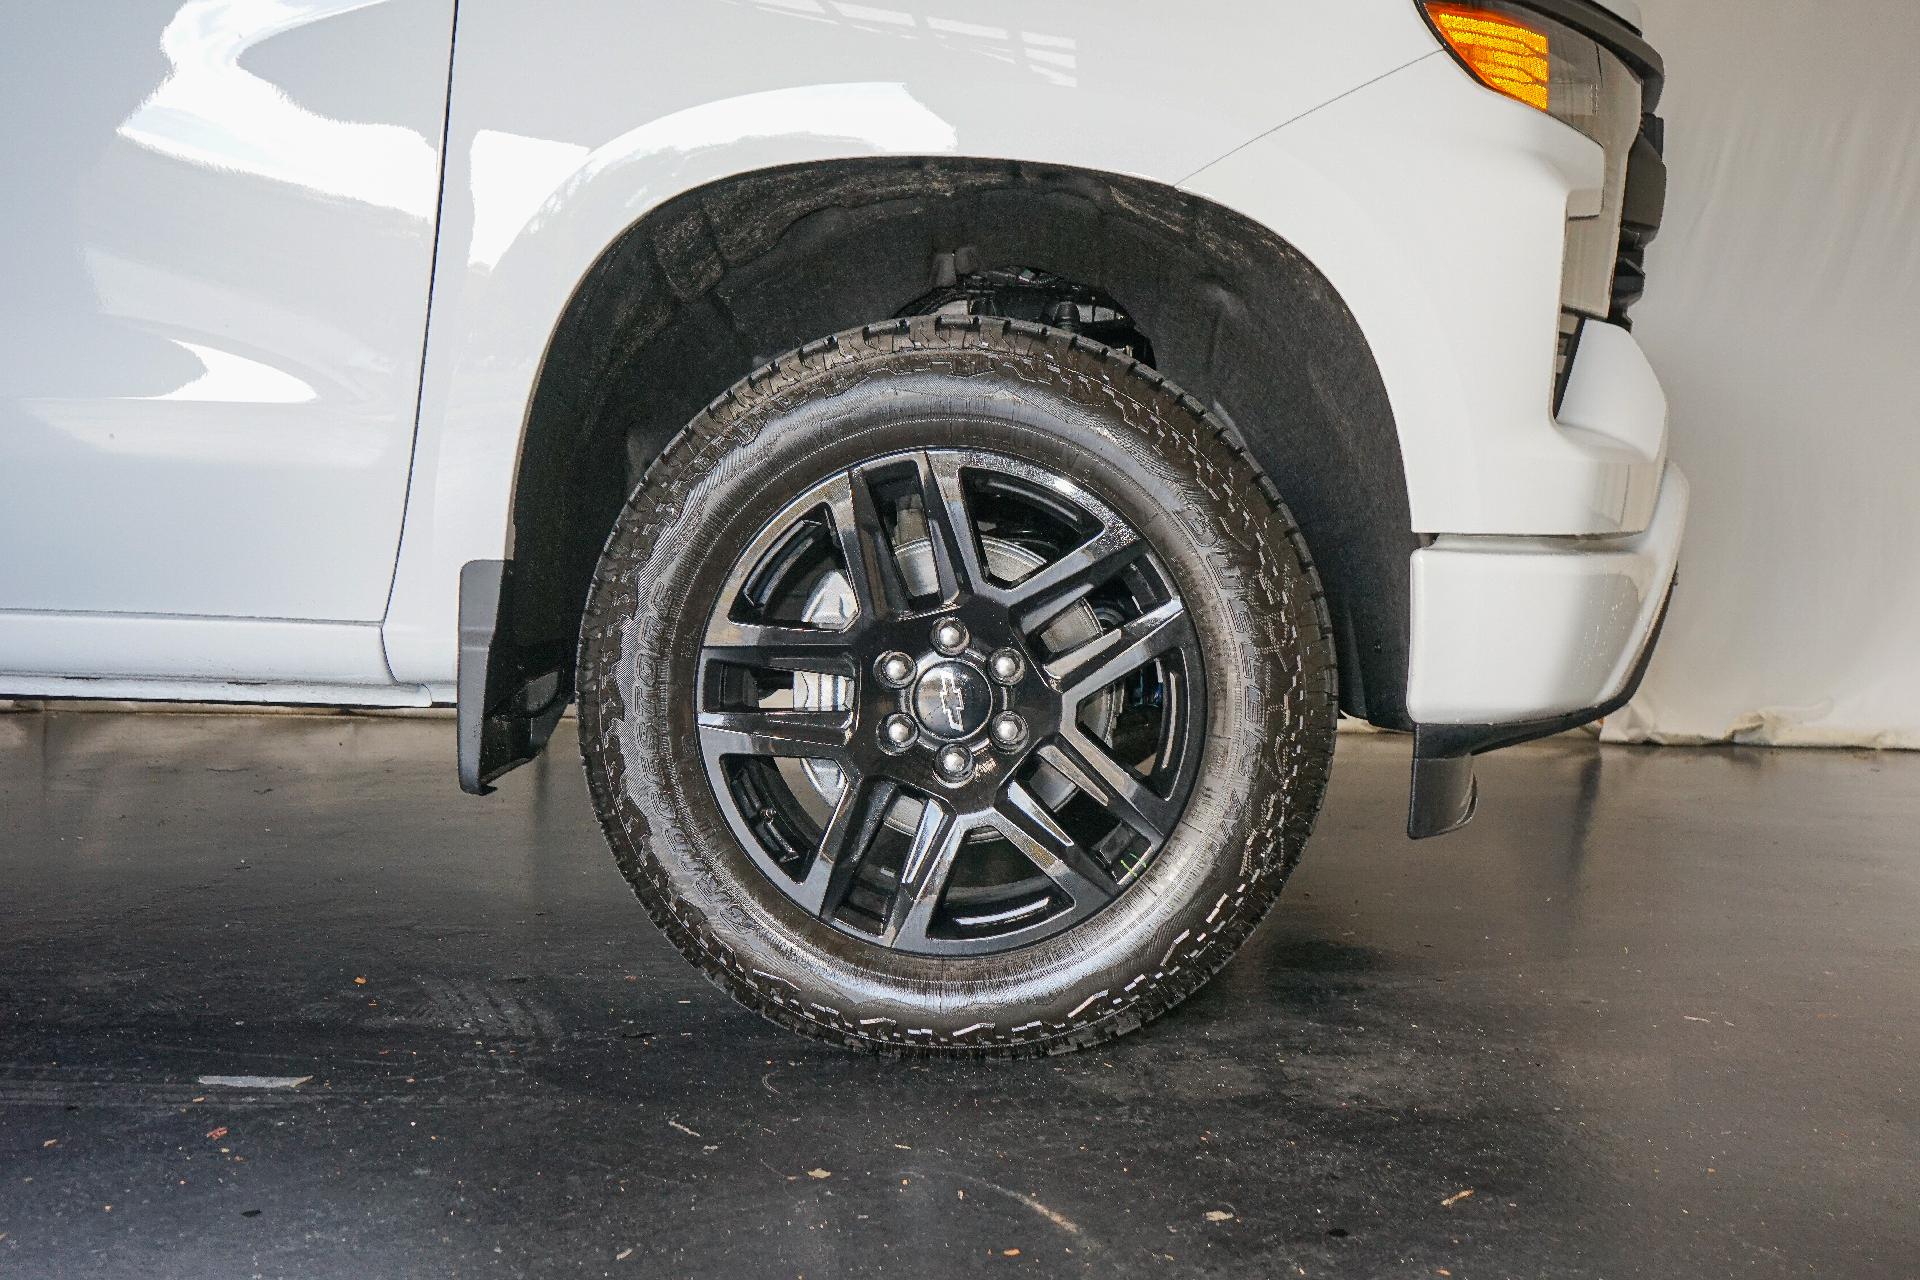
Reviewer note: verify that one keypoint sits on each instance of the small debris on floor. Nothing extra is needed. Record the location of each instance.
(1455, 1198)
(1218, 1215)
(819, 1173)
(253, 1082)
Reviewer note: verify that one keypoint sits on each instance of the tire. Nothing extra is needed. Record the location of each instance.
(1256, 674)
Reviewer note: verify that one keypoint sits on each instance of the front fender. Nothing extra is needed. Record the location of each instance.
(568, 123)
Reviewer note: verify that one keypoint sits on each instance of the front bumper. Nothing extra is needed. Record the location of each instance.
(1519, 638)
(1526, 628)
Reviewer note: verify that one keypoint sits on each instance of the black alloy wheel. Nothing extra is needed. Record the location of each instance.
(878, 701)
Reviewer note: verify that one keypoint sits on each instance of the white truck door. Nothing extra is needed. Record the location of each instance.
(216, 247)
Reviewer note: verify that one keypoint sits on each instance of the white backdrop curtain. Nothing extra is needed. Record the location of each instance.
(1783, 314)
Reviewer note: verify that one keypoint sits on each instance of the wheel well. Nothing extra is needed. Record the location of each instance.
(719, 280)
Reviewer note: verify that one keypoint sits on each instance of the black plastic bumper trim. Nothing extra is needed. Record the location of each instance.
(479, 613)
(1445, 791)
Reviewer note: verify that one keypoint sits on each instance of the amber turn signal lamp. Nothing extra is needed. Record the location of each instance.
(1505, 53)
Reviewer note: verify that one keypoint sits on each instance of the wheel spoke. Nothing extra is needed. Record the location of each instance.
(856, 820)
(779, 648)
(956, 552)
(879, 587)
(1093, 666)
(1051, 590)
(923, 876)
(1022, 819)
(800, 735)
(1110, 784)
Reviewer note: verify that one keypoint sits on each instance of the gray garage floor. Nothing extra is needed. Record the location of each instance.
(1656, 1013)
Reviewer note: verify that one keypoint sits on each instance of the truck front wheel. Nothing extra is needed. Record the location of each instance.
(956, 686)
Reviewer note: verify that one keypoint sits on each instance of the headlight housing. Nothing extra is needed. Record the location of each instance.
(1548, 65)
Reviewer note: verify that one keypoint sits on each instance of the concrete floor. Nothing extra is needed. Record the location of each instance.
(1655, 1013)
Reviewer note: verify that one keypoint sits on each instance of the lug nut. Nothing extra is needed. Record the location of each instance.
(949, 637)
(898, 732)
(955, 763)
(1006, 666)
(1009, 730)
(894, 668)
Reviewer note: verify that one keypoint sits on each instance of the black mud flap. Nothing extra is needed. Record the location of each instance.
(510, 696)
(1445, 792)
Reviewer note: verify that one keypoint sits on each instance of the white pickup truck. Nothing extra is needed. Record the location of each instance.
(959, 456)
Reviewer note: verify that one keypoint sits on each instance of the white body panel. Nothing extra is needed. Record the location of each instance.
(249, 460)
(216, 294)
(1506, 628)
